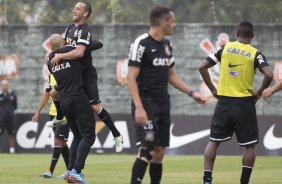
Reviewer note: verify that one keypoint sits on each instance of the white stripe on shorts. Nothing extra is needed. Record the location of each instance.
(224, 139)
(247, 143)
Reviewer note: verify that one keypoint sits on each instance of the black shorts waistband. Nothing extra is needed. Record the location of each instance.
(247, 98)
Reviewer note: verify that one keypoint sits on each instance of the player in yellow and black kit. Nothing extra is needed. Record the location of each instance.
(235, 110)
(61, 132)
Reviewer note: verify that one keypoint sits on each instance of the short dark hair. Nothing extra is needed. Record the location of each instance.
(158, 13)
(88, 7)
(245, 29)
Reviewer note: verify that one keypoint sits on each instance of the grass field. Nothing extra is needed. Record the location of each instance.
(116, 169)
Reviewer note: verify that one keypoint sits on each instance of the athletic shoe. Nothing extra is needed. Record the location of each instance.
(118, 143)
(67, 178)
(56, 122)
(207, 182)
(77, 177)
(61, 176)
(48, 174)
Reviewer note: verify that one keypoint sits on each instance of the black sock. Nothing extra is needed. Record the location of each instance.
(78, 169)
(207, 176)
(156, 170)
(59, 111)
(66, 154)
(55, 158)
(138, 171)
(106, 118)
(246, 173)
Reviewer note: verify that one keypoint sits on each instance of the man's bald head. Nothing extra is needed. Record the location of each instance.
(5, 86)
(56, 41)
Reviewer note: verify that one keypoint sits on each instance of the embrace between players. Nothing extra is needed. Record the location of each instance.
(150, 70)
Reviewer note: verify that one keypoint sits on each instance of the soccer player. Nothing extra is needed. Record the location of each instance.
(235, 110)
(76, 108)
(61, 132)
(150, 70)
(79, 35)
(8, 105)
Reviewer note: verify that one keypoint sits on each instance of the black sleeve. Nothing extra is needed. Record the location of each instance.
(49, 66)
(94, 45)
(48, 87)
(215, 56)
(260, 61)
(15, 102)
(64, 49)
(84, 36)
(172, 59)
(136, 53)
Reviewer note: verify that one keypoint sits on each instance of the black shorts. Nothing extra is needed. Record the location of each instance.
(156, 132)
(235, 115)
(90, 85)
(61, 132)
(80, 115)
(7, 123)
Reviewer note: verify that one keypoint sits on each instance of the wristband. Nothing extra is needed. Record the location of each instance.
(190, 93)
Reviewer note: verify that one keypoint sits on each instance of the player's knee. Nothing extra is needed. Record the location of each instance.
(92, 140)
(159, 154)
(147, 152)
(63, 143)
(54, 94)
(97, 108)
(57, 142)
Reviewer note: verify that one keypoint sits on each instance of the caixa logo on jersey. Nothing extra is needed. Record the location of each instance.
(36, 137)
(9, 66)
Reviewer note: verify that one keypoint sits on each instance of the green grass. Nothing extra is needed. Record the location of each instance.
(116, 169)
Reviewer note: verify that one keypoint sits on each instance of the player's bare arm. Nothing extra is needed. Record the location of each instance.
(203, 69)
(140, 114)
(268, 76)
(44, 100)
(179, 84)
(78, 52)
(271, 90)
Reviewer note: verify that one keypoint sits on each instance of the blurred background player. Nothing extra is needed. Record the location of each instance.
(8, 105)
(61, 132)
(151, 68)
(235, 110)
(78, 35)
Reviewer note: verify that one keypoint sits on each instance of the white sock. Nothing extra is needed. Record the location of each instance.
(12, 150)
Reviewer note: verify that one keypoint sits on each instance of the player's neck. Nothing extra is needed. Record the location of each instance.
(156, 33)
(244, 40)
(80, 22)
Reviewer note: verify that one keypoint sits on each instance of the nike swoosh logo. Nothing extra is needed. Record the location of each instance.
(57, 123)
(270, 141)
(231, 66)
(154, 50)
(178, 141)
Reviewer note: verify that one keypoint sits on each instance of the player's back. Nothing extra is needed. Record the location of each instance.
(67, 74)
(237, 69)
